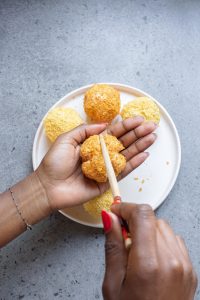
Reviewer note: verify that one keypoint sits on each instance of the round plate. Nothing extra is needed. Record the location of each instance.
(152, 181)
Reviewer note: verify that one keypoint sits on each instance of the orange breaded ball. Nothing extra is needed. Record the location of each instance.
(93, 165)
(102, 103)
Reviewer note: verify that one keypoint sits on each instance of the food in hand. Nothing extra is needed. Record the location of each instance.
(97, 204)
(93, 165)
(60, 120)
(142, 106)
(102, 103)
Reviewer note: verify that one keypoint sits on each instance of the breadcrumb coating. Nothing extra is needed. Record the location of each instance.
(97, 204)
(93, 165)
(60, 120)
(142, 106)
(102, 103)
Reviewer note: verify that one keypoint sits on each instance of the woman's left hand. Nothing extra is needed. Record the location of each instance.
(60, 171)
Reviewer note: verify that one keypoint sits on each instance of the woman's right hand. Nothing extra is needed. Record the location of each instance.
(156, 267)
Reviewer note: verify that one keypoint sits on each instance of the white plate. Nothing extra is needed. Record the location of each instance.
(156, 176)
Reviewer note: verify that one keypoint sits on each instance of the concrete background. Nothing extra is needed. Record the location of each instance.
(48, 48)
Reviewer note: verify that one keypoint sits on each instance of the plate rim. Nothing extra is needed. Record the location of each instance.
(124, 87)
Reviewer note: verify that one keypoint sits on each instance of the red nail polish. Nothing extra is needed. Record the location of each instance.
(124, 233)
(107, 222)
(117, 200)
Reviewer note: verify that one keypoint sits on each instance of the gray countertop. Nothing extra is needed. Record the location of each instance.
(48, 48)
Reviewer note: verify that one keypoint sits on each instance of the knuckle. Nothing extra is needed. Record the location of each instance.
(191, 274)
(153, 266)
(162, 222)
(180, 238)
(148, 271)
(195, 279)
(188, 270)
(150, 138)
(176, 267)
(112, 248)
(144, 210)
(153, 269)
(145, 207)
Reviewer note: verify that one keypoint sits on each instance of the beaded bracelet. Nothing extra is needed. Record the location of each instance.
(28, 226)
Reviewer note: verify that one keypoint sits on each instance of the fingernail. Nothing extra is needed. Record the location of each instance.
(107, 222)
(124, 233)
(117, 200)
(147, 153)
(155, 135)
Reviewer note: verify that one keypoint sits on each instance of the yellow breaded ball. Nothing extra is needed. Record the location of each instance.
(93, 165)
(97, 204)
(142, 106)
(60, 120)
(102, 103)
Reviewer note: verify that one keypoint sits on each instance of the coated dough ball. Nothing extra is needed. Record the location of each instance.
(93, 165)
(60, 120)
(97, 204)
(102, 103)
(142, 106)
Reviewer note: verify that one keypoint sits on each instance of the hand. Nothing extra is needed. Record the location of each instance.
(157, 266)
(60, 171)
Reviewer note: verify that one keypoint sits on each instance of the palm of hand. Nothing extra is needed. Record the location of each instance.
(60, 171)
(65, 180)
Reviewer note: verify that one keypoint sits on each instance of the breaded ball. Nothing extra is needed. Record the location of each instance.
(102, 103)
(60, 120)
(142, 106)
(97, 204)
(93, 165)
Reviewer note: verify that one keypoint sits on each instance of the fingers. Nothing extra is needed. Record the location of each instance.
(180, 254)
(133, 135)
(139, 146)
(133, 163)
(134, 154)
(124, 126)
(115, 255)
(80, 133)
(141, 221)
(182, 247)
(188, 262)
(169, 236)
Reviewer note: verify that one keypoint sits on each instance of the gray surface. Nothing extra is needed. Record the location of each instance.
(48, 48)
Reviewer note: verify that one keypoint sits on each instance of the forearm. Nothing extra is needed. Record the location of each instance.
(32, 202)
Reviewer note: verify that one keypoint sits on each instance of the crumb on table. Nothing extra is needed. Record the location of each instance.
(143, 181)
(136, 178)
(140, 189)
(167, 162)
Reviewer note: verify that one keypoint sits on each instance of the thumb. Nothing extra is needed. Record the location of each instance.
(115, 256)
(80, 133)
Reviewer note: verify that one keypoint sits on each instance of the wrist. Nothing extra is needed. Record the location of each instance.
(32, 199)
